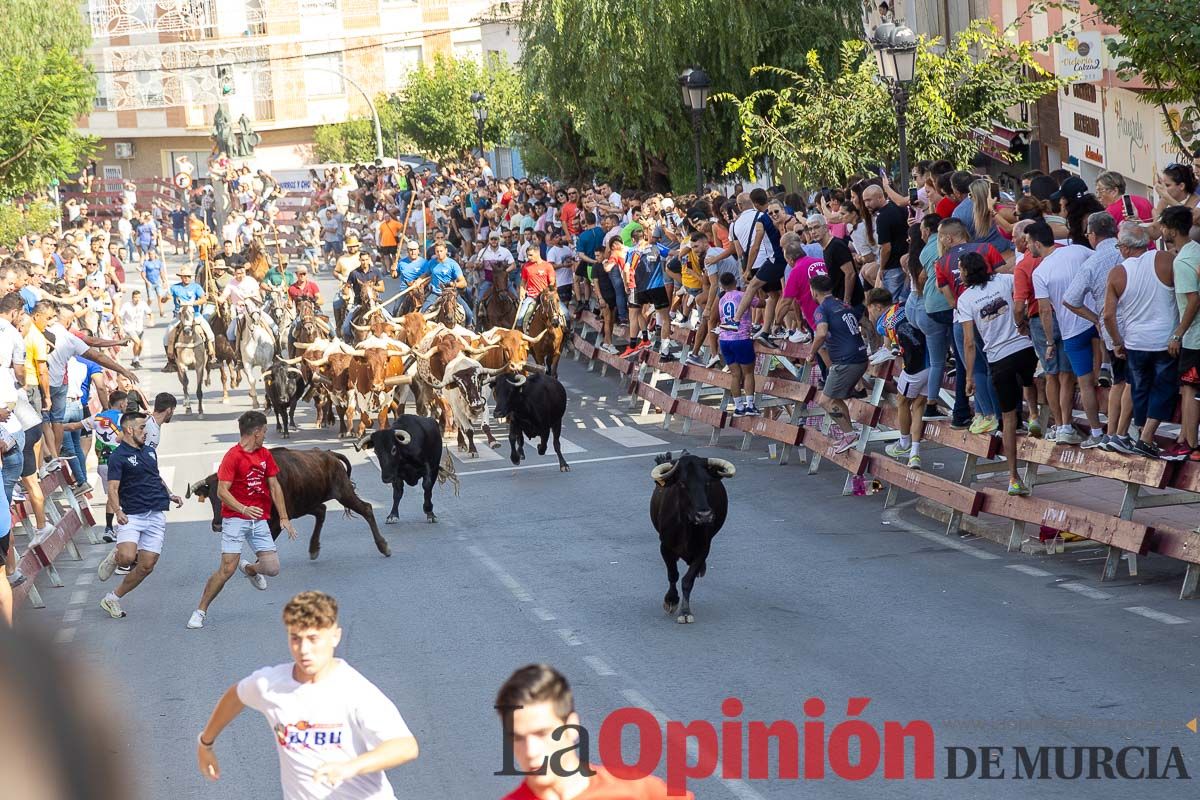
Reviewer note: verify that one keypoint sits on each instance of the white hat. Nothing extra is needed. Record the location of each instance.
(667, 204)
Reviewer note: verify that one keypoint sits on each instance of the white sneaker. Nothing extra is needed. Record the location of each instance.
(42, 533)
(113, 606)
(197, 619)
(257, 581)
(608, 348)
(106, 567)
(800, 337)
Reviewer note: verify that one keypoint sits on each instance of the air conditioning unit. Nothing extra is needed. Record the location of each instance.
(123, 149)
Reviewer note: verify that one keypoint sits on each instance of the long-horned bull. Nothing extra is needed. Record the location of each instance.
(410, 451)
(309, 479)
(687, 508)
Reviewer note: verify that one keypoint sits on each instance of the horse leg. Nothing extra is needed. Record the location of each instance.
(201, 368)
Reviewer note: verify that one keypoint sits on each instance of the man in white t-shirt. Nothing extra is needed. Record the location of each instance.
(335, 731)
(1051, 280)
(164, 409)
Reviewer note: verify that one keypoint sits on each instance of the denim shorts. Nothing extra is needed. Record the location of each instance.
(58, 403)
(254, 532)
(1057, 364)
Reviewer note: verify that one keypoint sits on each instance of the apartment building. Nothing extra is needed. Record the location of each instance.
(291, 65)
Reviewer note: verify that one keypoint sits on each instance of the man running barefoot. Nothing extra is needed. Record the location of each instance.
(247, 485)
(138, 498)
(335, 731)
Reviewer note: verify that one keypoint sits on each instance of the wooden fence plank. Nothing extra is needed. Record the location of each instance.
(966, 499)
(1094, 525)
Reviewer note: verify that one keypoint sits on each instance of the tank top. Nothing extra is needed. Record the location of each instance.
(1146, 311)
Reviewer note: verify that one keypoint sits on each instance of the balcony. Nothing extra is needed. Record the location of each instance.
(188, 20)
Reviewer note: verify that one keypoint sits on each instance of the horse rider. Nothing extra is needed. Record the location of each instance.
(445, 272)
(188, 293)
(407, 271)
(346, 263)
(241, 290)
(496, 263)
(537, 276)
(366, 277)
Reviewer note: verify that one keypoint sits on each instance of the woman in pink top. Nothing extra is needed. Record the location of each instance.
(1110, 190)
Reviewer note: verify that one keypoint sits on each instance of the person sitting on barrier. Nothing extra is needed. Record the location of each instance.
(737, 347)
(900, 333)
(986, 305)
(839, 336)
(187, 293)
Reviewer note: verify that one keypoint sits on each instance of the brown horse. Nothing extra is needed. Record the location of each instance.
(547, 318)
(228, 360)
(257, 264)
(446, 310)
(496, 309)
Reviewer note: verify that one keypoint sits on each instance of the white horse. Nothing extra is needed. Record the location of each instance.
(256, 346)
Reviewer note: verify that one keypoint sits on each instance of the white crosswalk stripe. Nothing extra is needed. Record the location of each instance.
(628, 436)
(621, 432)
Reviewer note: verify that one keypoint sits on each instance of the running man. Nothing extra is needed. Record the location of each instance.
(333, 727)
(247, 485)
(538, 702)
(138, 498)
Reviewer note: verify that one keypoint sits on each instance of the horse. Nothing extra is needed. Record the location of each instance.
(191, 353)
(446, 310)
(256, 346)
(346, 293)
(227, 354)
(257, 264)
(547, 317)
(496, 309)
(412, 299)
(279, 308)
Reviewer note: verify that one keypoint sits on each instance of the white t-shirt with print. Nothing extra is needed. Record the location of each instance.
(989, 307)
(335, 719)
(66, 346)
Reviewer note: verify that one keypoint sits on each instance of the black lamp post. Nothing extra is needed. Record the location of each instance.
(895, 49)
(480, 112)
(694, 83)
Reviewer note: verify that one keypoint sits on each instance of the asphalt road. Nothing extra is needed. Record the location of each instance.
(808, 594)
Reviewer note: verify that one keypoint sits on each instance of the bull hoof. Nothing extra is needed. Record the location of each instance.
(564, 467)
(541, 449)
(474, 454)
(386, 549)
(392, 519)
(515, 459)
(312, 554)
(432, 517)
(685, 619)
(187, 409)
(670, 607)
(200, 415)
(494, 445)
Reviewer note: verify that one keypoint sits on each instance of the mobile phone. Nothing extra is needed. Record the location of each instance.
(1127, 202)
(881, 172)
(994, 188)
(912, 196)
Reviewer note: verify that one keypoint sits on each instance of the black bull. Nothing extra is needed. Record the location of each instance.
(309, 479)
(408, 452)
(687, 508)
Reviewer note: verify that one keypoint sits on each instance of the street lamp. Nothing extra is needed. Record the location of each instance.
(694, 84)
(480, 112)
(895, 48)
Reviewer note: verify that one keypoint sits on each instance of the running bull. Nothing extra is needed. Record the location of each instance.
(410, 451)
(687, 508)
(309, 479)
(534, 405)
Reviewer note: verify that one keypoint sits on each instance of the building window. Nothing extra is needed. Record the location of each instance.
(472, 50)
(100, 101)
(322, 75)
(400, 60)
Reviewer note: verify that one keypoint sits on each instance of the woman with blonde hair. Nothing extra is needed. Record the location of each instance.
(983, 216)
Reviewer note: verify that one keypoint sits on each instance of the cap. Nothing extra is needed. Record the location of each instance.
(667, 204)
(301, 268)
(1072, 188)
(187, 270)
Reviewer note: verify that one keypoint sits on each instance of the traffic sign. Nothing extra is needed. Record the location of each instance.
(183, 180)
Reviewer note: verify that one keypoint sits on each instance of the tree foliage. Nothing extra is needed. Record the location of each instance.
(826, 128)
(607, 71)
(17, 220)
(45, 88)
(1160, 42)
(354, 141)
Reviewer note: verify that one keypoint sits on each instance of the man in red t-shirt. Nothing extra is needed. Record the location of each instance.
(247, 485)
(536, 276)
(303, 287)
(538, 701)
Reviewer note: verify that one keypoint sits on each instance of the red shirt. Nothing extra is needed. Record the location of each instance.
(570, 224)
(307, 290)
(247, 475)
(1023, 283)
(537, 275)
(945, 207)
(603, 786)
(946, 267)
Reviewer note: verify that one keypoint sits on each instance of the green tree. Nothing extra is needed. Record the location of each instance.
(354, 140)
(17, 220)
(825, 129)
(46, 87)
(608, 69)
(1160, 42)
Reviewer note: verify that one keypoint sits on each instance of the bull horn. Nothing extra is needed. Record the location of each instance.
(392, 344)
(321, 322)
(495, 371)
(426, 354)
(397, 380)
(296, 370)
(358, 327)
(362, 440)
(534, 367)
(477, 350)
(534, 339)
(402, 437)
(291, 361)
(723, 467)
(319, 362)
(429, 315)
(517, 380)
(662, 472)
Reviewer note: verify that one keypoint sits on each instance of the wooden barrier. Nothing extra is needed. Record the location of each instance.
(67, 516)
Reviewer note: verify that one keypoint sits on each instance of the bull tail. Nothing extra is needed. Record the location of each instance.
(345, 462)
(446, 472)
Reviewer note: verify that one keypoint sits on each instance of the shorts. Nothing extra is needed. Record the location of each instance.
(146, 530)
(158, 290)
(236, 530)
(581, 271)
(565, 293)
(333, 248)
(1189, 367)
(1120, 367)
(1010, 376)
(693, 292)
(771, 274)
(1079, 351)
(1054, 365)
(737, 351)
(842, 379)
(388, 252)
(32, 437)
(58, 404)
(656, 296)
(912, 386)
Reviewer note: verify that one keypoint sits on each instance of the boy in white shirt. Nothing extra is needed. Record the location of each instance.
(133, 323)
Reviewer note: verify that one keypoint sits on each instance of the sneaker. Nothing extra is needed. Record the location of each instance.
(16, 579)
(608, 348)
(1146, 449)
(641, 345)
(18, 494)
(135, 364)
(197, 619)
(628, 351)
(1106, 444)
(960, 424)
(42, 533)
(728, 325)
(1035, 429)
(739, 411)
(800, 337)
(713, 362)
(113, 606)
(757, 329)
(81, 489)
(1090, 442)
(881, 356)
(667, 356)
(1068, 435)
(696, 360)
(914, 462)
(106, 567)
(752, 411)
(1018, 489)
(51, 466)
(765, 340)
(124, 570)
(1176, 452)
(845, 443)
(895, 450)
(257, 581)
(109, 536)
(1195, 455)
(982, 424)
(933, 412)
(782, 334)
(1124, 445)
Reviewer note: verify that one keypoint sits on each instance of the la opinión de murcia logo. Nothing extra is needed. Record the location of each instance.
(853, 749)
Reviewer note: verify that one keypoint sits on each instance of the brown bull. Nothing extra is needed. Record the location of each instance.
(376, 369)
(510, 349)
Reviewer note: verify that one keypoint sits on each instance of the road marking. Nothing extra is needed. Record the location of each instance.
(599, 666)
(485, 454)
(954, 544)
(85, 579)
(599, 424)
(638, 699)
(1086, 591)
(78, 598)
(1028, 570)
(73, 615)
(1157, 616)
(616, 420)
(629, 436)
(570, 637)
(543, 614)
(552, 464)
(510, 583)
(64, 635)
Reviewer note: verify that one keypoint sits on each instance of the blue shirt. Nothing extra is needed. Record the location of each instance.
(153, 269)
(145, 233)
(590, 241)
(141, 488)
(186, 296)
(442, 273)
(647, 264)
(844, 342)
(30, 299)
(410, 269)
(86, 387)
(964, 212)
